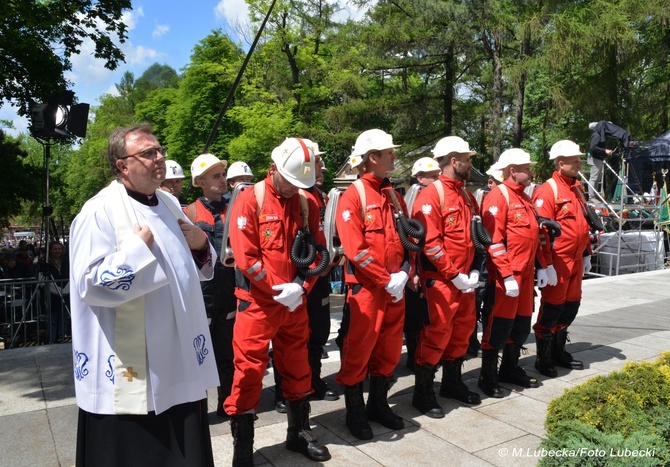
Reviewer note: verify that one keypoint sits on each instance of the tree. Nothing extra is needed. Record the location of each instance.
(202, 91)
(37, 39)
(22, 182)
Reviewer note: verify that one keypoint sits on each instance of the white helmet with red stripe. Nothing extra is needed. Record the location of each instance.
(295, 161)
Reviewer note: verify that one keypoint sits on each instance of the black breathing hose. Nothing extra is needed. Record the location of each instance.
(553, 227)
(411, 228)
(303, 253)
(481, 238)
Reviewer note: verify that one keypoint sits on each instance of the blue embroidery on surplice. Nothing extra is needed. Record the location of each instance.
(200, 349)
(123, 279)
(80, 360)
(110, 371)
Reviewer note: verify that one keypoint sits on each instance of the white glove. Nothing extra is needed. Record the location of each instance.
(462, 283)
(397, 298)
(290, 296)
(474, 279)
(542, 277)
(552, 277)
(511, 287)
(397, 283)
(587, 265)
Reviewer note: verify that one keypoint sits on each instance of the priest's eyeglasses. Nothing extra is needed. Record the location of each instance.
(150, 154)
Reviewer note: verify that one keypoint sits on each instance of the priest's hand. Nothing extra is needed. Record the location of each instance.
(144, 232)
(195, 237)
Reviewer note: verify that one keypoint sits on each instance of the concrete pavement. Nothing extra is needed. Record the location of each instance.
(622, 318)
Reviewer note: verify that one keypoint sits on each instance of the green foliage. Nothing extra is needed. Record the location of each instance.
(590, 447)
(202, 91)
(37, 39)
(264, 126)
(494, 72)
(625, 409)
(22, 181)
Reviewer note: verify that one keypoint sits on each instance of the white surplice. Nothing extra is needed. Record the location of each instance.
(180, 357)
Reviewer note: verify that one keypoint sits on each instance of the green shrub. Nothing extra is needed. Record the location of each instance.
(624, 411)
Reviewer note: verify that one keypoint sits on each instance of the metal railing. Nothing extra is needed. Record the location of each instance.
(33, 312)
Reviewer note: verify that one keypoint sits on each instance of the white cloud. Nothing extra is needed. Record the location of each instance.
(352, 12)
(235, 12)
(130, 17)
(160, 30)
(90, 71)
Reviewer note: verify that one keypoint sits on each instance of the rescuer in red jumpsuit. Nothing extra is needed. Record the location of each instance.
(426, 171)
(318, 304)
(562, 199)
(272, 300)
(376, 271)
(509, 215)
(448, 277)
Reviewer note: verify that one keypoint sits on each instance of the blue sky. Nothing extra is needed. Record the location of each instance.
(163, 31)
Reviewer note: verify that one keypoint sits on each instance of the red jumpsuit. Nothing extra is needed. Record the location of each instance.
(262, 242)
(371, 244)
(567, 208)
(449, 251)
(514, 251)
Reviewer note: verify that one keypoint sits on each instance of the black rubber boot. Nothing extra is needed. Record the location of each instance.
(558, 354)
(378, 409)
(321, 389)
(511, 372)
(543, 361)
(488, 378)
(411, 341)
(242, 429)
(423, 398)
(299, 435)
(357, 418)
(452, 383)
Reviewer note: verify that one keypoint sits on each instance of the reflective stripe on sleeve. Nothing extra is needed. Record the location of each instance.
(360, 255)
(366, 262)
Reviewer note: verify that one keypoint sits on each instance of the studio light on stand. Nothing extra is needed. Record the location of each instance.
(55, 122)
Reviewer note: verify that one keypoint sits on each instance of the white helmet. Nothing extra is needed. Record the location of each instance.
(451, 144)
(295, 162)
(564, 148)
(203, 163)
(592, 125)
(173, 170)
(313, 146)
(239, 169)
(494, 173)
(370, 140)
(425, 164)
(355, 161)
(514, 156)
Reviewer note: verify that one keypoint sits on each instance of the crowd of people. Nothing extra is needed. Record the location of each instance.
(30, 266)
(157, 319)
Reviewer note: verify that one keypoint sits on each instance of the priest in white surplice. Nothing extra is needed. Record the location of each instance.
(141, 346)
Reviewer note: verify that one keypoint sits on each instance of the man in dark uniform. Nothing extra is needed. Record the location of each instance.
(209, 213)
